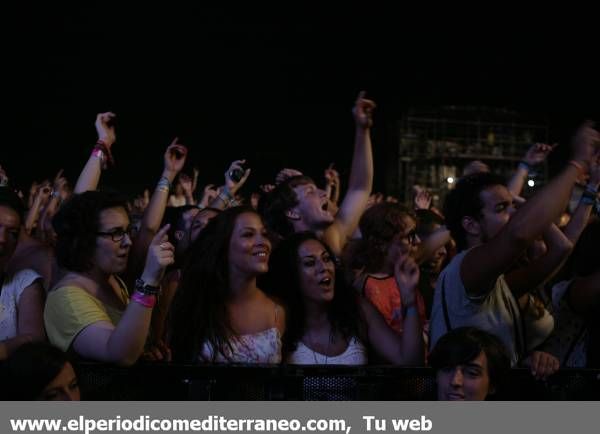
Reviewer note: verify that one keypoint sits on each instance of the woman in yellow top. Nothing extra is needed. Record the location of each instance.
(88, 311)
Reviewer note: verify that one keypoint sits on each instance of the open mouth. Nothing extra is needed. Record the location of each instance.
(261, 253)
(326, 281)
(325, 206)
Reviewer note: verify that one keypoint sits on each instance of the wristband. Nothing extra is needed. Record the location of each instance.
(524, 165)
(145, 300)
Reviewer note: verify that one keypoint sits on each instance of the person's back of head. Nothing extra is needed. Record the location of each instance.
(465, 201)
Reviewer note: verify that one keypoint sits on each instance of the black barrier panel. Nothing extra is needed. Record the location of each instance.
(241, 382)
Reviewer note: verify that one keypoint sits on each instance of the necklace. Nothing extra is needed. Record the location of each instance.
(312, 344)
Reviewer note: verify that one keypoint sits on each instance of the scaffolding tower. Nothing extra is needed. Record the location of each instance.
(436, 144)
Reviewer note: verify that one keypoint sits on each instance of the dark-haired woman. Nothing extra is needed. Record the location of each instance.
(327, 322)
(219, 314)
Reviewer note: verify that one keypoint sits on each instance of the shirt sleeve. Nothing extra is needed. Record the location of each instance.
(68, 311)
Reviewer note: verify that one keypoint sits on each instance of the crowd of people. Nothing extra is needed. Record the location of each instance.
(302, 273)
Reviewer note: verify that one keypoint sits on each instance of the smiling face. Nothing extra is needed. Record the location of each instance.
(316, 270)
(312, 211)
(465, 382)
(249, 247)
(110, 257)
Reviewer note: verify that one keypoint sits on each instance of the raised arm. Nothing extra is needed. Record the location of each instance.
(90, 175)
(535, 155)
(541, 269)
(174, 160)
(231, 187)
(406, 348)
(582, 213)
(361, 179)
(42, 196)
(124, 343)
(483, 264)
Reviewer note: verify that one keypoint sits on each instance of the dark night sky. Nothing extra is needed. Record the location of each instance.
(270, 85)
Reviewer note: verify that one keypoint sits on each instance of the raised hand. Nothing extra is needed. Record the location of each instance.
(363, 111)
(175, 157)
(210, 192)
(186, 184)
(231, 185)
(161, 254)
(542, 364)
(104, 128)
(422, 200)
(537, 153)
(286, 174)
(406, 273)
(585, 142)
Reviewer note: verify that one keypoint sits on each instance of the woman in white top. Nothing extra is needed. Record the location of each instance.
(219, 314)
(21, 293)
(327, 322)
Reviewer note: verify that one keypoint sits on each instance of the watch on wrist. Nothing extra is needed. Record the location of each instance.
(141, 286)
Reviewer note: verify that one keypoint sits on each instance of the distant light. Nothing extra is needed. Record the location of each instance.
(450, 180)
(531, 183)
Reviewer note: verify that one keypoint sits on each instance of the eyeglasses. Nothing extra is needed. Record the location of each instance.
(118, 234)
(411, 237)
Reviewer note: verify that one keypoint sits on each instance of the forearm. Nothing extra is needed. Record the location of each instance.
(544, 268)
(126, 342)
(90, 176)
(32, 215)
(361, 173)
(412, 347)
(155, 210)
(517, 181)
(543, 208)
(578, 220)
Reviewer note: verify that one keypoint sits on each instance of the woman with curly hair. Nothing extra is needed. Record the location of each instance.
(88, 311)
(388, 235)
(219, 314)
(327, 322)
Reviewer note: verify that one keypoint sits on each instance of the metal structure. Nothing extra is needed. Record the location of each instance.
(436, 144)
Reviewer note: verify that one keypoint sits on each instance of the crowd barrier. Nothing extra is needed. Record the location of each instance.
(169, 382)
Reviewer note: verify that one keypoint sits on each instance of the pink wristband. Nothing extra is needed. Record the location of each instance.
(98, 153)
(144, 299)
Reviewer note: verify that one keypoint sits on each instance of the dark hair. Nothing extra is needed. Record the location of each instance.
(283, 282)
(30, 369)
(273, 205)
(76, 225)
(378, 226)
(9, 199)
(427, 221)
(465, 200)
(198, 312)
(463, 344)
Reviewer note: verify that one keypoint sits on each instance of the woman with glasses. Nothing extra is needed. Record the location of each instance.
(389, 243)
(89, 311)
